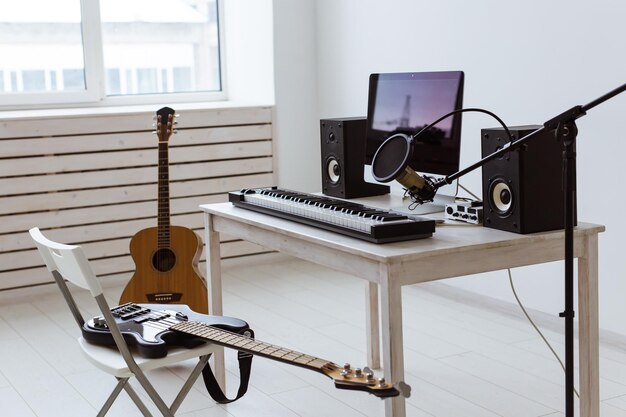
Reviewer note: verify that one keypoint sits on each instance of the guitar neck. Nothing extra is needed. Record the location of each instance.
(246, 344)
(163, 215)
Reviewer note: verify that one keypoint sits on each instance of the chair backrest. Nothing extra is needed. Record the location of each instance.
(67, 260)
(70, 263)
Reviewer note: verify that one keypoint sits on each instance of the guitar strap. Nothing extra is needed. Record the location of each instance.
(245, 366)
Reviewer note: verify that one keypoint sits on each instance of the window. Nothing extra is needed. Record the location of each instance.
(109, 51)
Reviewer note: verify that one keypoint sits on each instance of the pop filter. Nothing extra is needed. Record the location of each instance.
(391, 162)
(392, 157)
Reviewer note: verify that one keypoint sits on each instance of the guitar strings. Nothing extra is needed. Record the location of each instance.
(166, 323)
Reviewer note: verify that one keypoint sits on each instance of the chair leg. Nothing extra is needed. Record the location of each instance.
(135, 397)
(189, 383)
(121, 382)
(156, 398)
(153, 394)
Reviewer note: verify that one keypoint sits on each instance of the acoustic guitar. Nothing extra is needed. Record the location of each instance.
(166, 257)
(152, 328)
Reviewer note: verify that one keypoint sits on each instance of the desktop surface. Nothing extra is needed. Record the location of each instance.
(448, 237)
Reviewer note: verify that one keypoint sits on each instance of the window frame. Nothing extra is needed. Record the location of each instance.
(94, 94)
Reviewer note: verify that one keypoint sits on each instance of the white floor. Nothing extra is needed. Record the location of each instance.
(461, 359)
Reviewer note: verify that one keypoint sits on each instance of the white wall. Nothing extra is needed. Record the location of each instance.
(249, 47)
(295, 74)
(526, 61)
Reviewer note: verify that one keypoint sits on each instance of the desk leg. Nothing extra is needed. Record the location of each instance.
(373, 325)
(214, 285)
(588, 338)
(391, 324)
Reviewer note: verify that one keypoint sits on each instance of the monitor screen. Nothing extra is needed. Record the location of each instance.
(407, 102)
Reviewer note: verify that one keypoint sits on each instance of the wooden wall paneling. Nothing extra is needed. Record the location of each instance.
(108, 213)
(130, 140)
(128, 194)
(32, 124)
(91, 180)
(134, 158)
(129, 176)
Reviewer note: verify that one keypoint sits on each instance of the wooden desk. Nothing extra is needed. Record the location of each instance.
(451, 252)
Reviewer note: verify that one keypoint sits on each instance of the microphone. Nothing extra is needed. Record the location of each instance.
(391, 162)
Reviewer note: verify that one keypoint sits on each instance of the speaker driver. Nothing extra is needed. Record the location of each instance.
(333, 170)
(501, 197)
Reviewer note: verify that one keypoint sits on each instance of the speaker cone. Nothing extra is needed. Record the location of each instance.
(501, 197)
(333, 170)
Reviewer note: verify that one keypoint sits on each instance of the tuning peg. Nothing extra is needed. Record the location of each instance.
(381, 381)
(99, 322)
(403, 388)
(358, 373)
(175, 131)
(154, 117)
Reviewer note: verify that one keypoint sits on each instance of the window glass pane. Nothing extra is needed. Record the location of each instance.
(53, 80)
(182, 78)
(34, 80)
(13, 81)
(73, 79)
(41, 36)
(113, 81)
(151, 38)
(147, 81)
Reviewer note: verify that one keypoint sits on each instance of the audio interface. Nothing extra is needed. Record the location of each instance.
(468, 212)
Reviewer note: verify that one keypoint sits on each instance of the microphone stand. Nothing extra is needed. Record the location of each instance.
(565, 130)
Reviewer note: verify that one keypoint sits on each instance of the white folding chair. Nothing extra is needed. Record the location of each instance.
(67, 262)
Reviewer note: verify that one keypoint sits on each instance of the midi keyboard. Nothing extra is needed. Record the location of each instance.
(352, 219)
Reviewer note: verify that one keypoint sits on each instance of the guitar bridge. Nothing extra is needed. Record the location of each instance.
(164, 297)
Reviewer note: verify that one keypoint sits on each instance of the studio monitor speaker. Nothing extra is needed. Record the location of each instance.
(522, 190)
(343, 159)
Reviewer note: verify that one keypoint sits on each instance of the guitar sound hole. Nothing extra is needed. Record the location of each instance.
(163, 260)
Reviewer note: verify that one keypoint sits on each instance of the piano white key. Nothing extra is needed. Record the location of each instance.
(313, 211)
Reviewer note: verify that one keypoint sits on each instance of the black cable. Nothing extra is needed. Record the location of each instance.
(471, 109)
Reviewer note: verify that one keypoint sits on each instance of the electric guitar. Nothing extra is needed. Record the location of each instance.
(152, 328)
(166, 257)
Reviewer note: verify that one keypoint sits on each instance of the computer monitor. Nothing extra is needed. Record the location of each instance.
(407, 102)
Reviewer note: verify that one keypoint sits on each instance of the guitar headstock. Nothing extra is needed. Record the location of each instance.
(364, 380)
(165, 123)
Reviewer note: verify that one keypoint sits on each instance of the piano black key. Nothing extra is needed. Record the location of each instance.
(391, 217)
